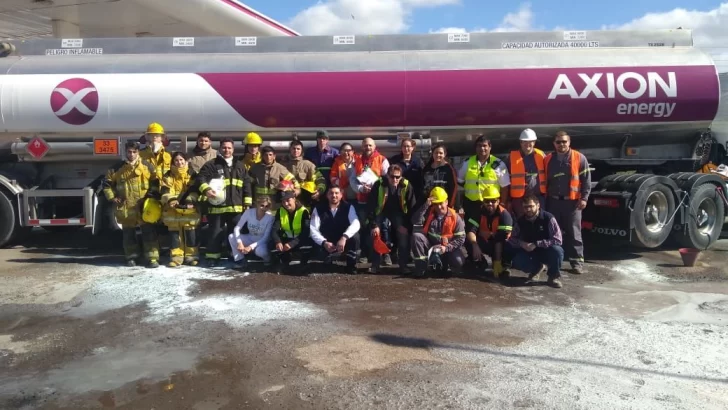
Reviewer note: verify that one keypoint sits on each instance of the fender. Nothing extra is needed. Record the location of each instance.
(11, 185)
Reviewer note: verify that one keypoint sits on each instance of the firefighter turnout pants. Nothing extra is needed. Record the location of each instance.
(183, 236)
(129, 216)
(149, 246)
(569, 218)
(421, 246)
(219, 227)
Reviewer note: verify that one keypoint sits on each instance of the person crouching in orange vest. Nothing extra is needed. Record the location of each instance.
(440, 244)
(489, 234)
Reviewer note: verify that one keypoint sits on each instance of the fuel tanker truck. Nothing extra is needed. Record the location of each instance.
(644, 107)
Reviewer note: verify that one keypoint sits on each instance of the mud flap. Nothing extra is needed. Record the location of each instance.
(608, 214)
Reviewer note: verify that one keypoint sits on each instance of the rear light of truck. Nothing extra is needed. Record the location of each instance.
(607, 202)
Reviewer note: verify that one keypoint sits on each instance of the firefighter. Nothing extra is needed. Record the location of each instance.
(308, 176)
(536, 241)
(322, 155)
(568, 182)
(202, 152)
(527, 172)
(181, 215)
(252, 156)
(477, 175)
(155, 153)
(225, 183)
(291, 231)
(368, 167)
(129, 186)
(335, 229)
(391, 198)
(488, 235)
(441, 242)
(268, 177)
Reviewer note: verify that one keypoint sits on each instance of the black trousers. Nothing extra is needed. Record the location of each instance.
(350, 250)
(220, 226)
(286, 257)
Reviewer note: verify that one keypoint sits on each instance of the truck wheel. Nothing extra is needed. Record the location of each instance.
(653, 216)
(704, 220)
(7, 219)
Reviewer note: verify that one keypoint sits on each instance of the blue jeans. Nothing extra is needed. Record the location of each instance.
(530, 262)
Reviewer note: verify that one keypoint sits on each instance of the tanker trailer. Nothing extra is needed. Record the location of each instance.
(638, 104)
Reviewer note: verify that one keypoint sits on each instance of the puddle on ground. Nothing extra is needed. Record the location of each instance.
(345, 356)
(109, 369)
(705, 308)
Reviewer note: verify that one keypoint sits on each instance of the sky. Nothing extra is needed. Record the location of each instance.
(707, 19)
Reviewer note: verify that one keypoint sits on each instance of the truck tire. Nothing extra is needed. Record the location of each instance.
(704, 220)
(7, 219)
(653, 216)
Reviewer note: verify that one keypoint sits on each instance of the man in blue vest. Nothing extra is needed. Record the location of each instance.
(392, 198)
(536, 241)
(335, 229)
(322, 155)
(291, 231)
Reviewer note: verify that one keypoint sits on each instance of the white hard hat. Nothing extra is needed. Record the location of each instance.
(528, 135)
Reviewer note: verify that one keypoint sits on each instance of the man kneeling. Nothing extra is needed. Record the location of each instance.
(291, 232)
(259, 224)
(443, 234)
(536, 241)
(489, 235)
(335, 229)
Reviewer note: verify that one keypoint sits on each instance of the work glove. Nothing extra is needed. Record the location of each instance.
(497, 268)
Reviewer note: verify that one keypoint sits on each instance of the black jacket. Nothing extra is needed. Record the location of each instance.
(373, 201)
(238, 192)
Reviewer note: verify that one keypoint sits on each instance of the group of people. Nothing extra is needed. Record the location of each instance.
(325, 203)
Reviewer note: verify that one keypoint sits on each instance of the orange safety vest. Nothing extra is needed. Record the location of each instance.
(448, 226)
(518, 173)
(375, 164)
(574, 182)
(490, 230)
(338, 174)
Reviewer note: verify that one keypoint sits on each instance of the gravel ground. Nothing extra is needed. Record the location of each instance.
(639, 330)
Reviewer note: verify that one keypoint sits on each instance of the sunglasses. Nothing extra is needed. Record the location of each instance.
(561, 142)
(395, 176)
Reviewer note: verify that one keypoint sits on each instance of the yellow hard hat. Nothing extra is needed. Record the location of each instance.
(309, 186)
(253, 139)
(155, 128)
(491, 192)
(151, 210)
(438, 195)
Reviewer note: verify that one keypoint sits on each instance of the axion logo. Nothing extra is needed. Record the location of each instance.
(75, 101)
(628, 85)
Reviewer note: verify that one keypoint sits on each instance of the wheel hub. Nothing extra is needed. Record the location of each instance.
(656, 211)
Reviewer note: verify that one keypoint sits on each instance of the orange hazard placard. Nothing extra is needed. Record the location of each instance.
(107, 146)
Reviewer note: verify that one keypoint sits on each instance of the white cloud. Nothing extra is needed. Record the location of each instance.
(521, 20)
(333, 17)
(710, 28)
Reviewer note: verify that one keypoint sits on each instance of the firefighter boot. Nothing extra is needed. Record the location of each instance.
(191, 251)
(131, 247)
(176, 252)
(151, 244)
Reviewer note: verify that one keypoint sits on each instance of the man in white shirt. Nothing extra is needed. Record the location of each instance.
(335, 229)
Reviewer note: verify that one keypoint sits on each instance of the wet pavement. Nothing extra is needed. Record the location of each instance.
(639, 330)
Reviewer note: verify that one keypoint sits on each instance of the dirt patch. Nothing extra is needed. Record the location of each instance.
(346, 356)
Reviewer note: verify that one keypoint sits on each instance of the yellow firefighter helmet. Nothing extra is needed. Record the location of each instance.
(253, 139)
(155, 128)
(151, 210)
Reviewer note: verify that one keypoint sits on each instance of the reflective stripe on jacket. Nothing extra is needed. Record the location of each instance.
(518, 173)
(478, 178)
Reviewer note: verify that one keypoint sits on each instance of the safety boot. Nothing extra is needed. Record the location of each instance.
(153, 264)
